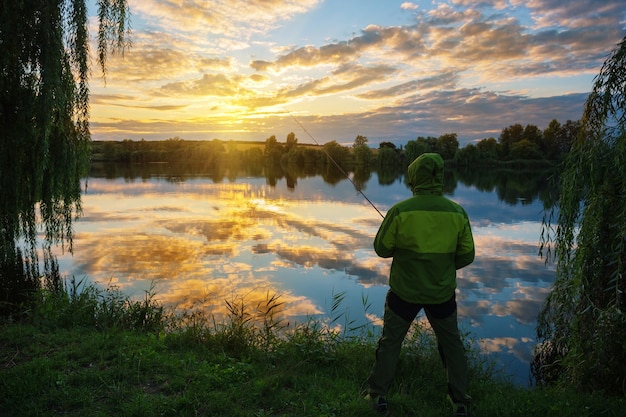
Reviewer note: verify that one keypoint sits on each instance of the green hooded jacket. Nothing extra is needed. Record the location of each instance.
(428, 236)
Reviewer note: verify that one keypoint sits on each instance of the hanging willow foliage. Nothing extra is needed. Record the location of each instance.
(582, 326)
(44, 126)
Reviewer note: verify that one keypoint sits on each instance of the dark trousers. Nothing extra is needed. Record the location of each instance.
(398, 317)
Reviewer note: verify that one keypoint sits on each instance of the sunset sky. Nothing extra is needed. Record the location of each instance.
(388, 70)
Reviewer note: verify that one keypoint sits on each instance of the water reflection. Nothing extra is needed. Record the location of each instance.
(204, 241)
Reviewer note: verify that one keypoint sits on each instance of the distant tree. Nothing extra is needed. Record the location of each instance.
(362, 152)
(253, 156)
(447, 145)
(270, 143)
(216, 149)
(509, 136)
(360, 140)
(567, 135)
(291, 141)
(533, 134)
(488, 148)
(387, 156)
(525, 149)
(551, 139)
(388, 145)
(173, 144)
(273, 150)
(415, 148)
(313, 157)
(558, 139)
(468, 155)
(296, 156)
(582, 325)
(429, 142)
(336, 152)
(109, 151)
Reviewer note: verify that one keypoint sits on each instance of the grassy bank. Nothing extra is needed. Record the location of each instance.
(96, 353)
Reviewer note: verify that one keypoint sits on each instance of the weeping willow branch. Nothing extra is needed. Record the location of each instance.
(44, 124)
(582, 325)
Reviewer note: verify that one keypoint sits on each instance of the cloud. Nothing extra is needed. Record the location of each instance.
(577, 14)
(469, 67)
(230, 18)
(373, 38)
(473, 114)
(159, 55)
(444, 15)
(218, 85)
(496, 4)
(345, 78)
(407, 5)
(446, 80)
(132, 103)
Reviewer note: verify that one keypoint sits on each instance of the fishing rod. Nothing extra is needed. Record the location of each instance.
(334, 162)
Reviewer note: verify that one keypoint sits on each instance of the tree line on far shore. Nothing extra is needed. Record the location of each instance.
(516, 143)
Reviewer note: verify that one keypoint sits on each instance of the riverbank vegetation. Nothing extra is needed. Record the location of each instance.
(516, 146)
(82, 351)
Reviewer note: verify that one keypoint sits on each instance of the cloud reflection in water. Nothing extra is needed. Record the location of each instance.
(202, 243)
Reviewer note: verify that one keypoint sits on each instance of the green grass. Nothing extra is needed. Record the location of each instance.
(88, 352)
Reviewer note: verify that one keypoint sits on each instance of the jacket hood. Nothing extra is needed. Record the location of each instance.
(425, 174)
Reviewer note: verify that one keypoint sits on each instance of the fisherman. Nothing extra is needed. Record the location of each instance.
(429, 238)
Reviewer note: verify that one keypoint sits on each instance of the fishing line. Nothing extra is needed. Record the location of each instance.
(334, 162)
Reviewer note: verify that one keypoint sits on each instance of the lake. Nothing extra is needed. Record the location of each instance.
(198, 238)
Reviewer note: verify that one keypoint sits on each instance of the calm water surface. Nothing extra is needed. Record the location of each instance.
(200, 241)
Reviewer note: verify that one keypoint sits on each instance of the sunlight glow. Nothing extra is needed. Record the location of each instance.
(226, 71)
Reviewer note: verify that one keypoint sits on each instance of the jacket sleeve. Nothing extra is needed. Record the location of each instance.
(385, 240)
(465, 250)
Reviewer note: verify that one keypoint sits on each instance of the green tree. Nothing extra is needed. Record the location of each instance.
(582, 325)
(273, 150)
(488, 148)
(551, 139)
(558, 138)
(295, 157)
(468, 155)
(336, 153)
(360, 140)
(447, 145)
(44, 124)
(388, 156)
(525, 149)
(509, 136)
(567, 135)
(362, 152)
(533, 134)
(415, 148)
(389, 145)
(291, 141)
